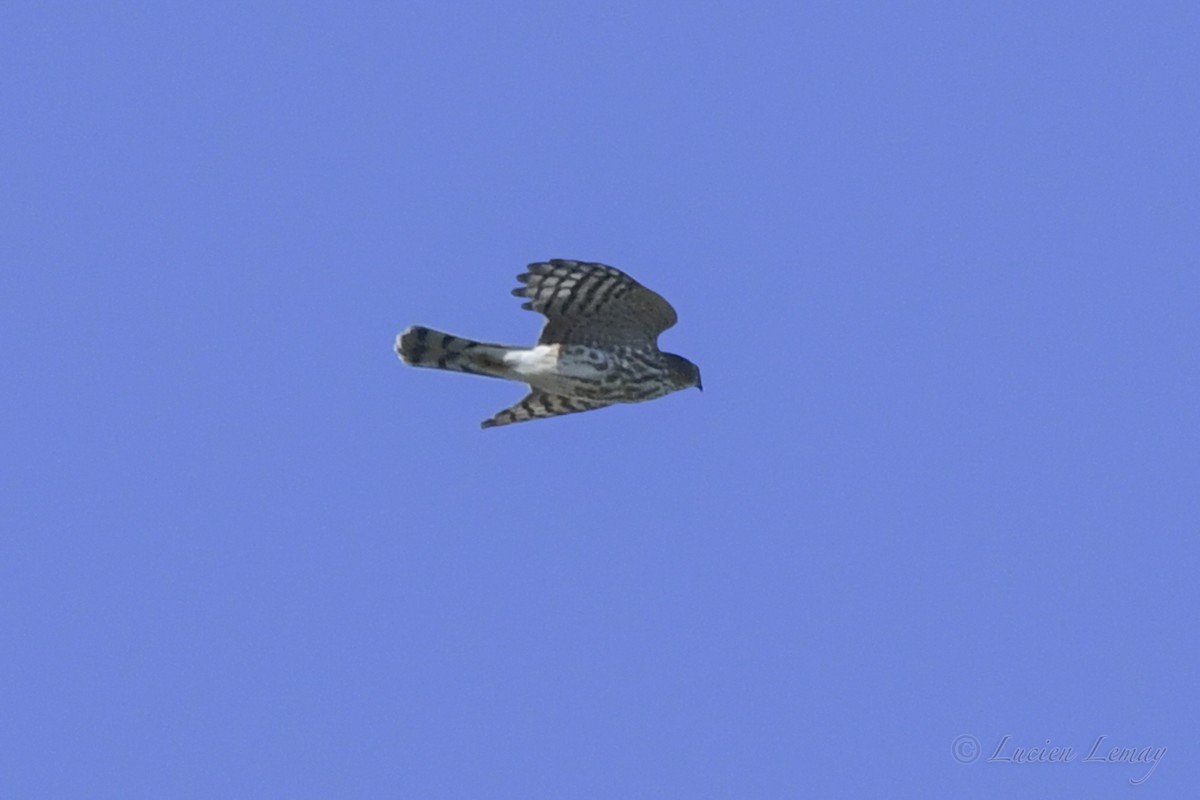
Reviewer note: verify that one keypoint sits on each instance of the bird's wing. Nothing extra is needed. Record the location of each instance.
(594, 304)
(538, 404)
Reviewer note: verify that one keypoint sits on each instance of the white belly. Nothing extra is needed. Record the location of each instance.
(542, 367)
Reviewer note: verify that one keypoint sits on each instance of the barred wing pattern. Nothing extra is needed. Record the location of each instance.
(538, 405)
(593, 304)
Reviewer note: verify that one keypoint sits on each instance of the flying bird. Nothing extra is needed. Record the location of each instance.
(599, 345)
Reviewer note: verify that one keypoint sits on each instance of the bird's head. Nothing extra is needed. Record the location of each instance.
(684, 374)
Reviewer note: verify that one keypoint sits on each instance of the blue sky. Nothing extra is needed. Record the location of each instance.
(937, 262)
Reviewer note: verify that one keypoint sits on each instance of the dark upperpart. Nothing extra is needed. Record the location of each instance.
(684, 374)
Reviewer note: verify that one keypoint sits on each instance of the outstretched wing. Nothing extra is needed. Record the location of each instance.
(594, 304)
(537, 405)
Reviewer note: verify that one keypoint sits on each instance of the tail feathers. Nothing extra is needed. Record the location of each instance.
(425, 347)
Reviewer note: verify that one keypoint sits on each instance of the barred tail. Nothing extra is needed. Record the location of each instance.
(425, 347)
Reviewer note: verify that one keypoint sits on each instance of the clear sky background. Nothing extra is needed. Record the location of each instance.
(938, 263)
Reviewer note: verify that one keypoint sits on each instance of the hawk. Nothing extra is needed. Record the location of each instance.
(599, 345)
